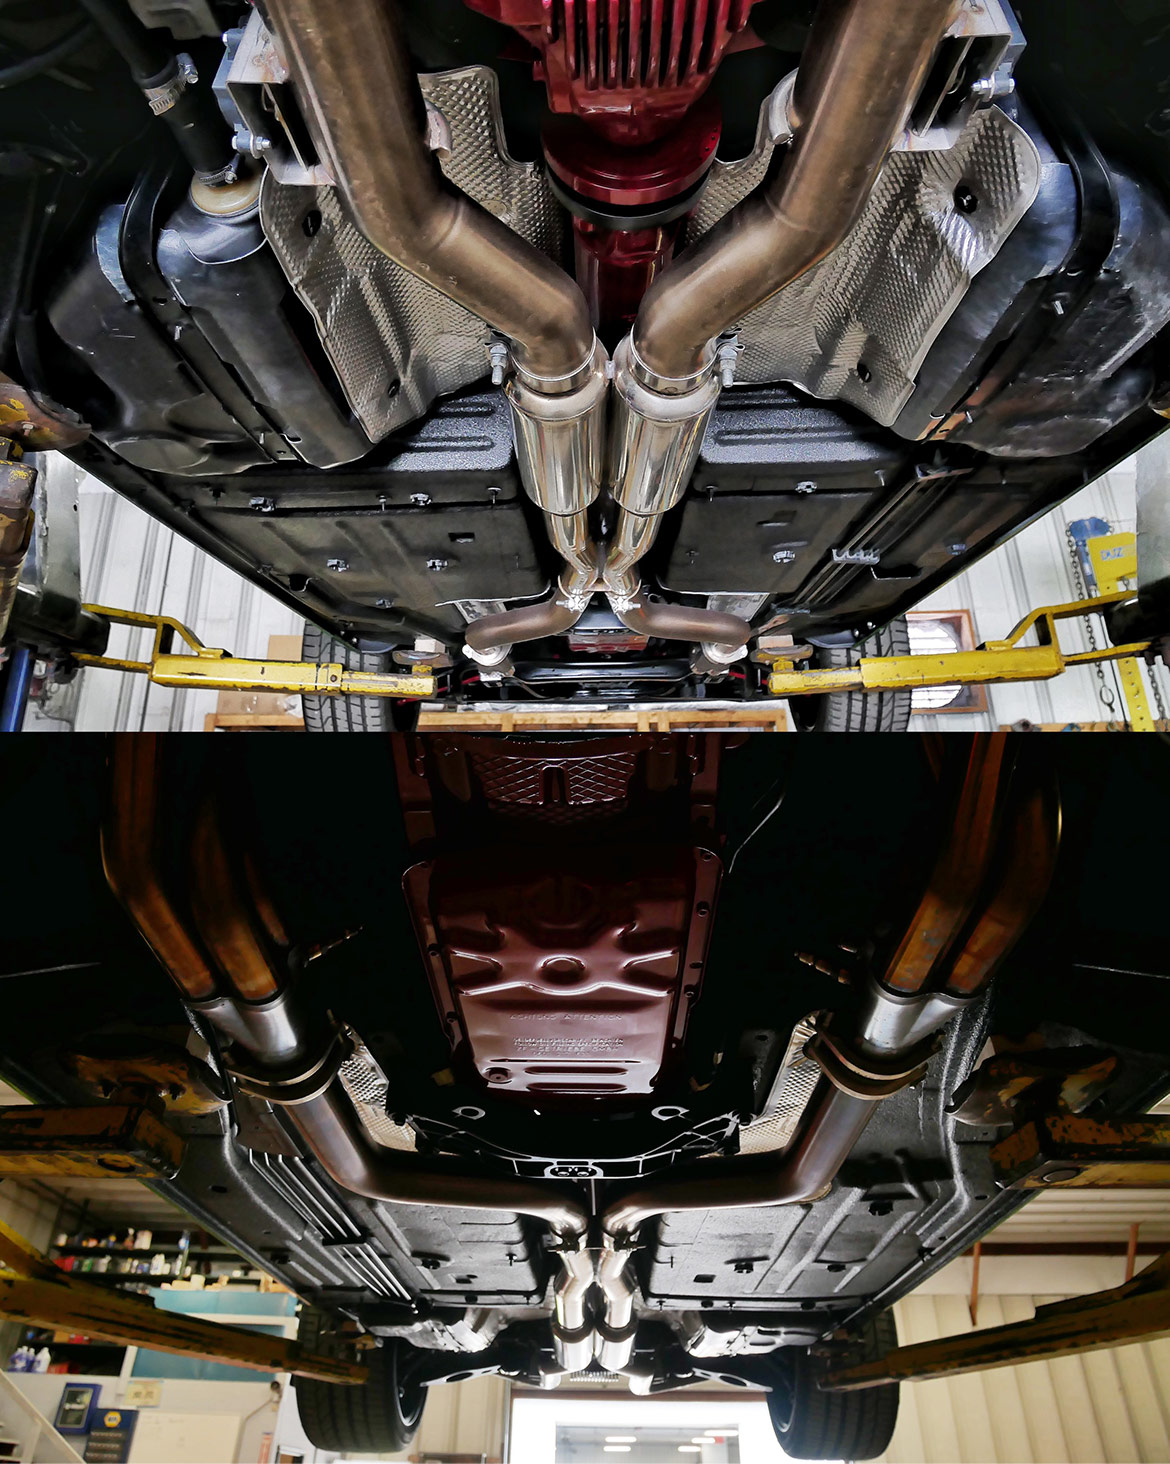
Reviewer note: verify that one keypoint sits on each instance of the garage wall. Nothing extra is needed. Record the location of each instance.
(1035, 568)
(33, 1217)
(1112, 1405)
(131, 561)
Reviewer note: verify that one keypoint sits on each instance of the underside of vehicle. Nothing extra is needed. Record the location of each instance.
(616, 348)
(674, 1058)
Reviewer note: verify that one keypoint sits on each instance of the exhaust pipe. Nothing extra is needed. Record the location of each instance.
(231, 972)
(862, 69)
(352, 72)
(894, 1024)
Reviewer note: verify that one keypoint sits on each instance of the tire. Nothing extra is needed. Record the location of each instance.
(857, 711)
(351, 713)
(377, 1417)
(811, 1424)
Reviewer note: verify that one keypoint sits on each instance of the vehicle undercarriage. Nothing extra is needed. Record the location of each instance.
(671, 1058)
(605, 351)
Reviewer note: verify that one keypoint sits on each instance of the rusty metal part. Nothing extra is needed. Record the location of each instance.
(960, 872)
(17, 481)
(33, 1290)
(110, 1141)
(863, 66)
(1070, 1078)
(1024, 876)
(37, 423)
(356, 83)
(231, 928)
(1069, 1151)
(170, 1074)
(1138, 1310)
(129, 834)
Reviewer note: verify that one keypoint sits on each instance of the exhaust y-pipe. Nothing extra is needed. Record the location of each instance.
(352, 72)
(231, 970)
(862, 69)
(987, 885)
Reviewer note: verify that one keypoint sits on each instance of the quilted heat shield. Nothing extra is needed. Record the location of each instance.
(566, 973)
(396, 343)
(857, 327)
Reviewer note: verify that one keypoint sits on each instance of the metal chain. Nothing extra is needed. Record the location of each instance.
(1156, 687)
(1104, 690)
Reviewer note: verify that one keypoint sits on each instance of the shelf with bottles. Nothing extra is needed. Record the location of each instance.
(152, 1257)
(43, 1350)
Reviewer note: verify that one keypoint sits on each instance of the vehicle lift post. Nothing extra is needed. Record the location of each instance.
(1057, 1150)
(120, 1140)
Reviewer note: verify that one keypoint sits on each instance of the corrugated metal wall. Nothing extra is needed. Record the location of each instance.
(1112, 1405)
(131, 561)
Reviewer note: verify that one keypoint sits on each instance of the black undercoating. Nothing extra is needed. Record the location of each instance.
(840, 863)
(212, 400)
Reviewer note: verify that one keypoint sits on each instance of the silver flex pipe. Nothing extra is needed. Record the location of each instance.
(862, 69)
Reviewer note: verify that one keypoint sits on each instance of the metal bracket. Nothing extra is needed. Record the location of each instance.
(209, 669)
(1067, 1151)
(1137, 1310)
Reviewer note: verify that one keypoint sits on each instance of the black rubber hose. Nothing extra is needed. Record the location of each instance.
(30, 66)
(194, 118)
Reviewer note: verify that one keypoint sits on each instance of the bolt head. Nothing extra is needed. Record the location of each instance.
(338, 566)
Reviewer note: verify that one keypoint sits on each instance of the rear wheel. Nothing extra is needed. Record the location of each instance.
(351, 713)
(857, 711)
(380, 1416)
(812, 1424)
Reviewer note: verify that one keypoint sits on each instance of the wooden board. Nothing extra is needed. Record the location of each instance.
(625, 719)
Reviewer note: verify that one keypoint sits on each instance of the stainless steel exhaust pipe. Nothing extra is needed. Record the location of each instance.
(895, 1018)
(357, 87)
(352, 72)
(294, 1065)
(560, 445)
(574, 1338)
(863, 67)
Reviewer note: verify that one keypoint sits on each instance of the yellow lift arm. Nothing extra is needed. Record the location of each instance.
(207, 668)
(997, 661)
(1005, 660)
(34, 1291)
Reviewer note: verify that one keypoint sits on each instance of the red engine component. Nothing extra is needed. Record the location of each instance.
(564, 974)
(626, 141)
(631, 68)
